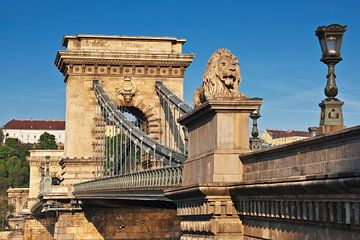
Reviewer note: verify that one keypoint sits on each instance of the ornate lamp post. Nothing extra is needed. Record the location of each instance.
(330, 38)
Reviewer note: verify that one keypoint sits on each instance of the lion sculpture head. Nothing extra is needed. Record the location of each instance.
(221, 77)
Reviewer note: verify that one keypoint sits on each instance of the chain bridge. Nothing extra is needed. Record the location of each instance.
(139, 163)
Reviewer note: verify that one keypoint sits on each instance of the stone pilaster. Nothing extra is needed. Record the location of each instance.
(218, 133)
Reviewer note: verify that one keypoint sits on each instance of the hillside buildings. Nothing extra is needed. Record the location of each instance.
(29, 131)
(280, 137)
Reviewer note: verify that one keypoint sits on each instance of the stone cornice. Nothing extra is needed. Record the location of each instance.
(221, 104)
(317, 184)
(64, 58)
(66, 38)
(197, 191)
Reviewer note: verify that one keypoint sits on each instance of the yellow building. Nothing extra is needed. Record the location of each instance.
(279, 137)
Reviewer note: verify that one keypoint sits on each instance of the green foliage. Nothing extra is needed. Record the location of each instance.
(21, 149)
(1, 135)
(5, 210)
(14, 172)
(47, 141)
(14, 169)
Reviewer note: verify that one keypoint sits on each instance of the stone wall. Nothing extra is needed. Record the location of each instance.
(304, 190)
(135, 222)
(18, 197)
(70, 226)
(39, 228)
(12, 235)
(4, 235)
(99, 223)
(325, 154)
(118, 223)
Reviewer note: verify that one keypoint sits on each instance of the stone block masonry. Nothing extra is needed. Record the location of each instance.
(326, 154)
(135, 222)
(118, 223)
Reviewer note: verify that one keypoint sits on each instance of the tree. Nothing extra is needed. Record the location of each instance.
(14, 172)
(14, 169)
(1, 135)
(47, 141)
(20, 149)
(6, 211)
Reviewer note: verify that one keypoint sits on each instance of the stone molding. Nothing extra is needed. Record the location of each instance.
(123, 70)
(217, 207)
(116, 64)
(315, 210)
(329, 184)
(206, 211)
(75, 161)
(39, 163)
(221, 104)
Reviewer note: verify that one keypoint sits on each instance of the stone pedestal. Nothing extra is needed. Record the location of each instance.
(218, 133)
(255, 144)
(331, 118)
(76, 170)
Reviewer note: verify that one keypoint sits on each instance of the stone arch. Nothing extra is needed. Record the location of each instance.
(148, 111)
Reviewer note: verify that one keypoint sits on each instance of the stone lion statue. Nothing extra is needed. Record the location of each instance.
(221, 77)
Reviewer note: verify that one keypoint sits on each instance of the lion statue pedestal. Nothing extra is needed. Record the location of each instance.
(218, 131)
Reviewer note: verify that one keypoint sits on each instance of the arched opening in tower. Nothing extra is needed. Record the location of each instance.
(136, 116)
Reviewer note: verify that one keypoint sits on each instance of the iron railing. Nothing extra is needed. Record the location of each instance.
(156, 178)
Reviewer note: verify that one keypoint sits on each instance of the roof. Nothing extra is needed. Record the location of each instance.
(289, 133)
(35, 124)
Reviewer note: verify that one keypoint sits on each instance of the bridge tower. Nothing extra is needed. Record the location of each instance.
(128, 68)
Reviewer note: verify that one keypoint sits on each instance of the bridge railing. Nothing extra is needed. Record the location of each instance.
(160, 177)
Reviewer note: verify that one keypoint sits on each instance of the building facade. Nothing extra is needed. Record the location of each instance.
(280, 137)
(29, 131)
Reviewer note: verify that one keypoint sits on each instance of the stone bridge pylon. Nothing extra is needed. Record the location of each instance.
(128, 69)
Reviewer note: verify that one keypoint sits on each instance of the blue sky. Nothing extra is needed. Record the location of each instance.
(274, 41)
